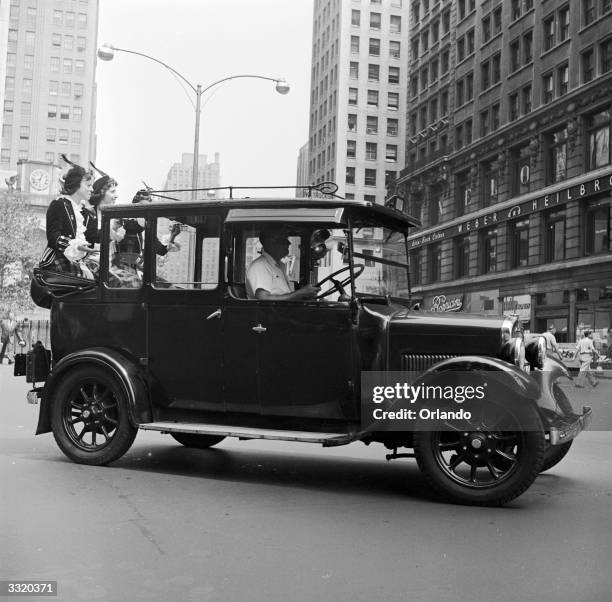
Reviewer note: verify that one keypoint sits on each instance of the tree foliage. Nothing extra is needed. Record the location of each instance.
(19, 251)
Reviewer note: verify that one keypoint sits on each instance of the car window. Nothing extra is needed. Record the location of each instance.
(127, 242)
(187, 253)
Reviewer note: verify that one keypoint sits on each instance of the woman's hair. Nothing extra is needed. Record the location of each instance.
(100, 187)
(72, 179)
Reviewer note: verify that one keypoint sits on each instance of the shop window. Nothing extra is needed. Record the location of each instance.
(462, 257)
(556, 156)
(520, 243)
(598, 228)
(598, 129)
(554, 236)
(489, 251)
(435, 262)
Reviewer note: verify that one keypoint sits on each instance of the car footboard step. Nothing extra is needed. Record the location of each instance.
(248, 432)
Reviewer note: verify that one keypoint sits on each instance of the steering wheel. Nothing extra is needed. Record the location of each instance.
(337, 285)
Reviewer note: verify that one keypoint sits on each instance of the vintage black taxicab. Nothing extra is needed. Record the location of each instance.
(172, 342)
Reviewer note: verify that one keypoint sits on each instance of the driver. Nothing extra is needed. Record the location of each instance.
(266, 278)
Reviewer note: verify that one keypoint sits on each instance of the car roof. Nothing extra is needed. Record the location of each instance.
(276, 209)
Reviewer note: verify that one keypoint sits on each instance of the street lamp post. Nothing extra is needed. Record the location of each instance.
(106, 52)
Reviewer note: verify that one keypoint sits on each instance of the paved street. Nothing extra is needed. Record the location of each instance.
(291, 522)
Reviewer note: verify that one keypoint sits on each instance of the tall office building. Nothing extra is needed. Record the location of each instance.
(358, 94)
(180, 175)
(49, 61)
(509, 160)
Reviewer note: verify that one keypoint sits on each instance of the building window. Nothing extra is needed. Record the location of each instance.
(373, 73)
(496, 68)
(56, 39)
(351, 149)
(588, 12)
(55, 64)
(598, 129)
(445, 61)
(563, 23)
(548, 88)
(375, 21)
(391, 153)
(28, 62)
(486, 29)
(5, 155)
(515, 9)
(467, 127)
(67, 66)
(485, 80)
(527, 48)
(81, 43)
(26, 109)
(77, 113)
(352, 96)
(372, 98)
(415, 267)
(64, 112)
(78, 90)
(355, 18)
(414, 85)
(515, 55)
(371, 124)
(370, 177)
(68, 42)
(52, 112)
(526, 95)
(513, 106)
(393, 101)
(549, 32)
(24, 132)
(520, 170)
(488, 183)
(350, 175)
(66, 89)
(520, 243)
(555, 236)
(355, 44)
(489, 251)
(463, 193)
(605, 52)
(598, 228)
(352, 122)
(75, 137)
(354, 70)
(562, 79)
(484, 123)
(394, 75)
(371, 151)
(556, 156)
(394, 49)
(462, 257)
(435, 262)
(459, 142)
(62, 136)
(587, 62)
(374, 47)
(606, 6)
(459, 92)
(395, 24)
(495, 117)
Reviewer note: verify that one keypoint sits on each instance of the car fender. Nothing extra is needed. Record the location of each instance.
(503, 378)
(128, 373)
(546, 378)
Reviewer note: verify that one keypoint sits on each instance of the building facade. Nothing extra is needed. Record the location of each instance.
(357, 93)
(180, 175)
(508, 160)
(48, 84)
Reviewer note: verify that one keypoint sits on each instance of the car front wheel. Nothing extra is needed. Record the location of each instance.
(89, 417)
(488, 462)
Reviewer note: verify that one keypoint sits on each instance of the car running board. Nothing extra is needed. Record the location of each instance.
(242, 432)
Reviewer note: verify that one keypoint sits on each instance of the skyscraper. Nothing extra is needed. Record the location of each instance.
(358, 94)
(180, 175)
(49, 90)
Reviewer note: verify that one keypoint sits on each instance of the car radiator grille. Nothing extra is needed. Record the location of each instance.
(420, 362)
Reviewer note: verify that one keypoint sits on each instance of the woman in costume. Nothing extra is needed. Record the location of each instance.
(66, 242)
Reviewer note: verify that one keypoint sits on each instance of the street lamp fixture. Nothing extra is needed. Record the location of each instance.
(106, 52)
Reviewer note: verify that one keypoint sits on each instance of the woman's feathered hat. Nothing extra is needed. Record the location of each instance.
(103, 181)
(71, 180)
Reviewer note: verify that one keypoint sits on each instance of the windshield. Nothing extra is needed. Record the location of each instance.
(379, 258)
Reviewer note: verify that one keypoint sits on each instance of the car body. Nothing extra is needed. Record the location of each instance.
(175, 346)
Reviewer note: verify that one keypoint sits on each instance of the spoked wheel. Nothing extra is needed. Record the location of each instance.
(89, 417)
(488, 462)
(197, 441)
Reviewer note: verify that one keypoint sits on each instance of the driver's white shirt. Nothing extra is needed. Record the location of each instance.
(265, 273)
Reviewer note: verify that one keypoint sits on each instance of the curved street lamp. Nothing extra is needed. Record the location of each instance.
(106, 52)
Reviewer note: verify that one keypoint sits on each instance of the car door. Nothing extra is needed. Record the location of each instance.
(183, 318)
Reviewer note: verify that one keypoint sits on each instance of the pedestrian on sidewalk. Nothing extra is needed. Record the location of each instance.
(586, 354)
(551, 343)
(9, 327)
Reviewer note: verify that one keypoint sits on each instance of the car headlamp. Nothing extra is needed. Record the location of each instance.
(535, 352)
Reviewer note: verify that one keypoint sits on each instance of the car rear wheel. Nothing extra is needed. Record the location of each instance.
(554, 454)
(196, 440)
(89, 417)
(488, 462)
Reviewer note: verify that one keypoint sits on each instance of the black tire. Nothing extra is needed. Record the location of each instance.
(554, 454)
(196, 440)
(480, 465)
(89, 417)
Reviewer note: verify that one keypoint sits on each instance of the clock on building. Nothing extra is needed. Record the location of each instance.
(39, 179)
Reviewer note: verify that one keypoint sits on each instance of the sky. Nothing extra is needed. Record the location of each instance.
(145, 119)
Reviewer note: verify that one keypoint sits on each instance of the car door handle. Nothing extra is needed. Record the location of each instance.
(215, 314)
(259, 329)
